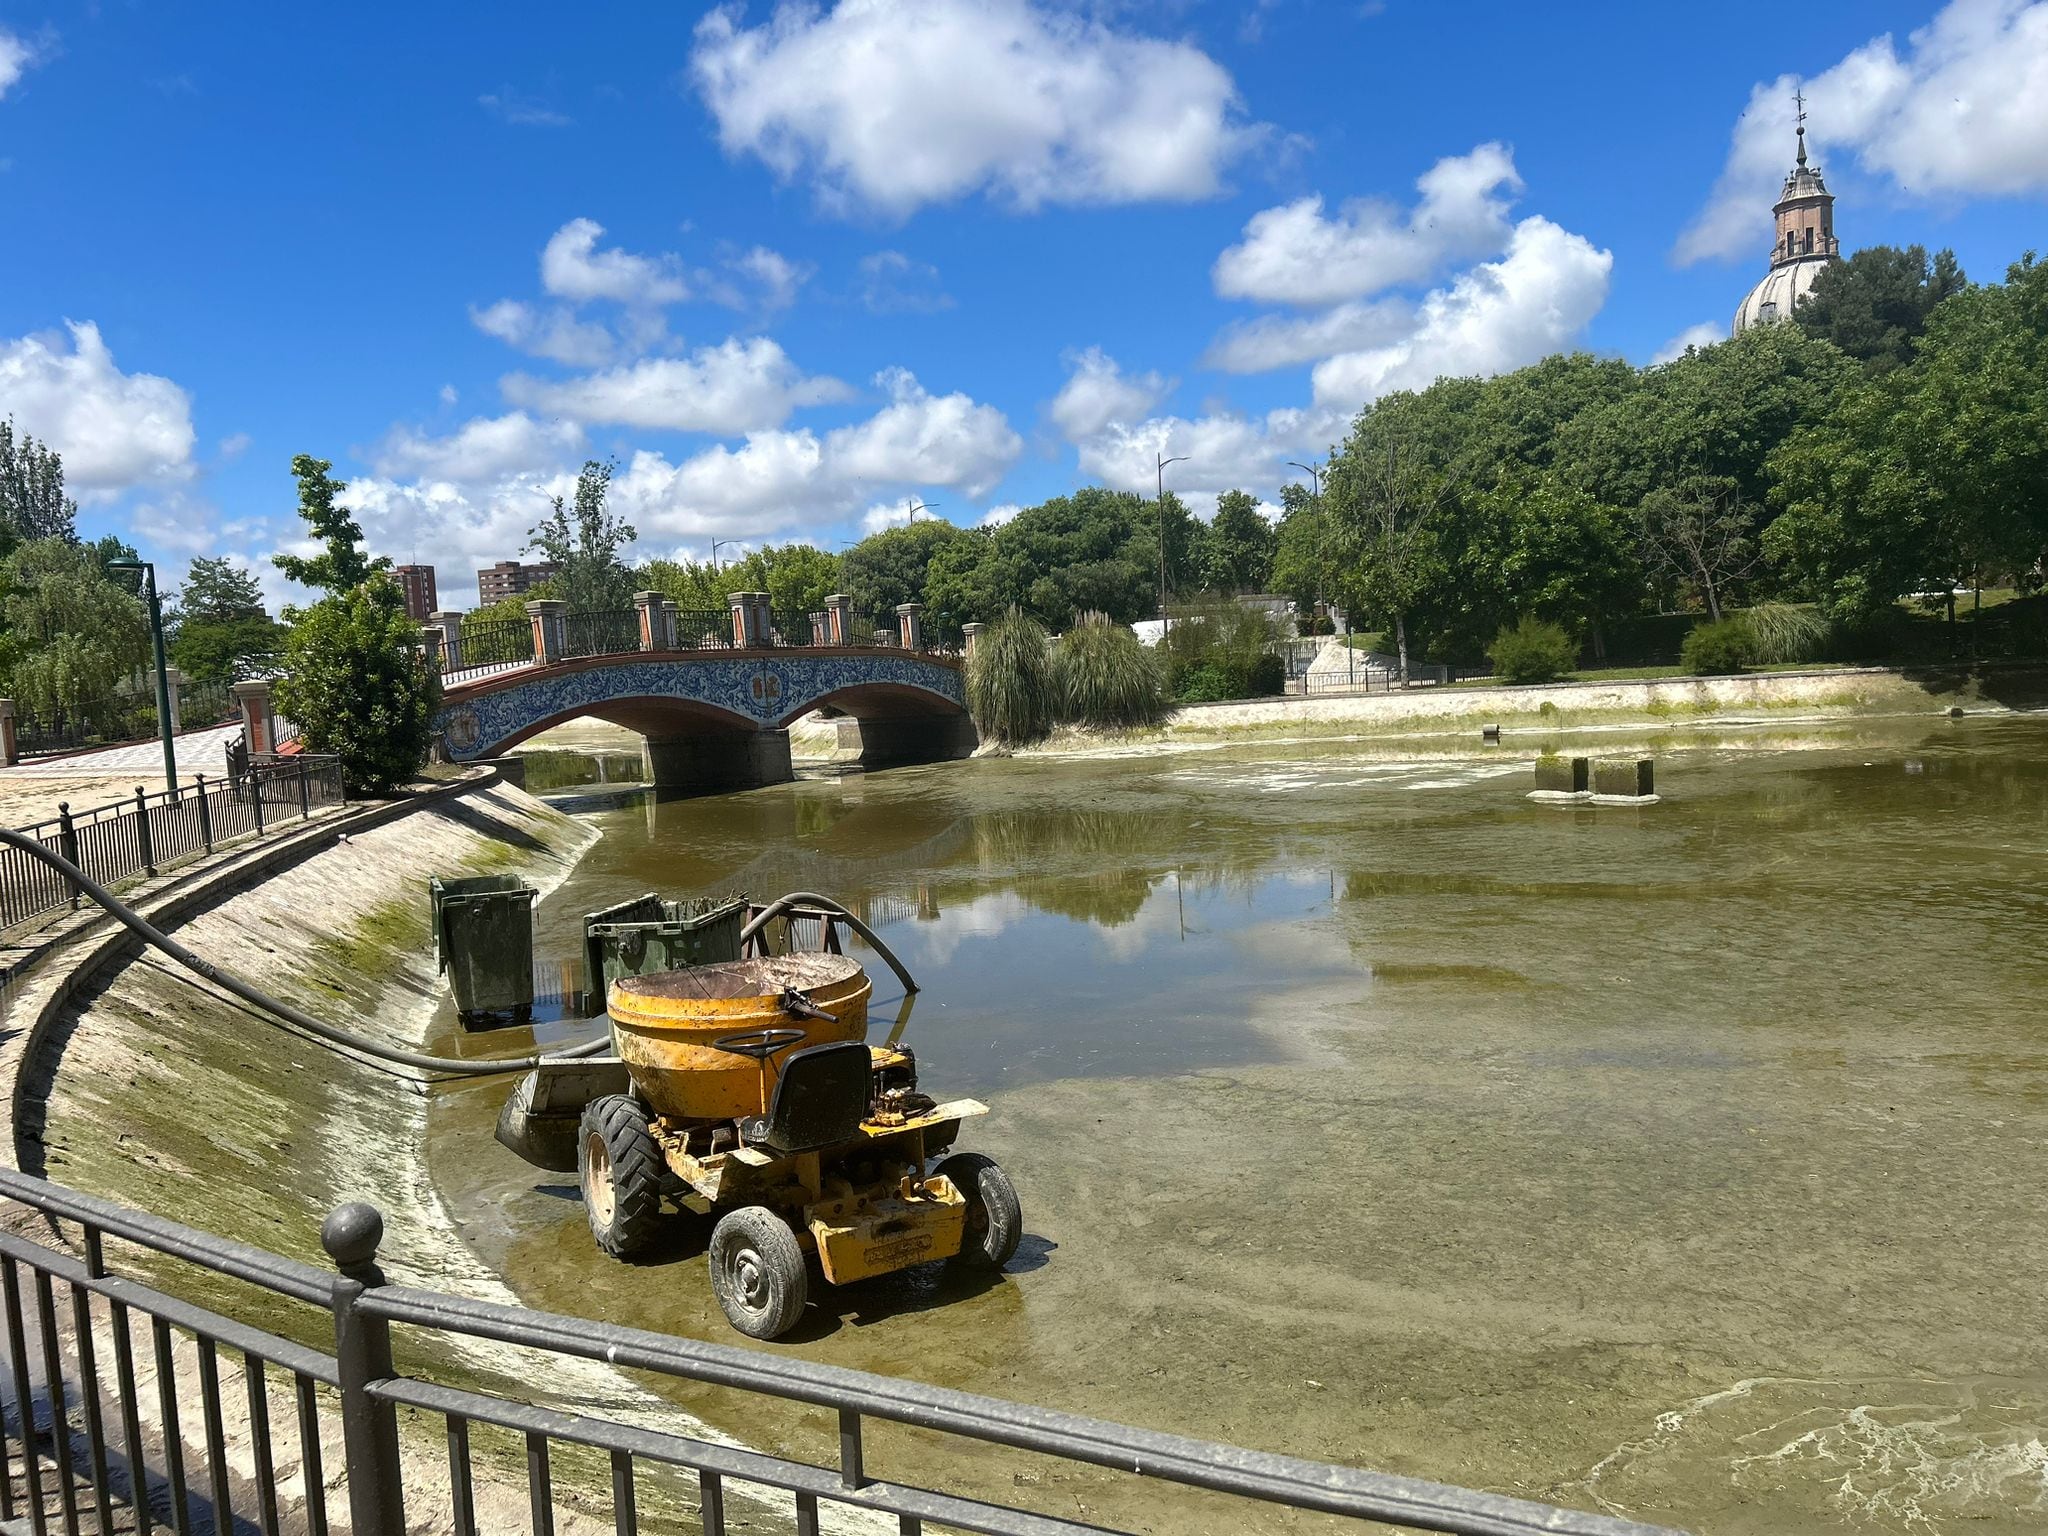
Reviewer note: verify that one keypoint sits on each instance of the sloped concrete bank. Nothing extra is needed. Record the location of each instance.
(130, 1078)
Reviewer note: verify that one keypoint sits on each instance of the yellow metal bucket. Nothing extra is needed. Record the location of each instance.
(663, 1026)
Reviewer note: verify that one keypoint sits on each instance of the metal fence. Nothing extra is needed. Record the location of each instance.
(601, 632)
(90, 1440)
(149, 832)
(704, 629)
(491, 645)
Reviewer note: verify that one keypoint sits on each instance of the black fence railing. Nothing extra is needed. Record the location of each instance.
(603, 632)
(91, 1439)
(149, 832)
(490, 645)
(704, 629)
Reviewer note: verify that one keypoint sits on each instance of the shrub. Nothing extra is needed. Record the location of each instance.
(1785, 632)
(357, 682)
(1534, 651)
(1232, 645)
(1010, 686)
(1727, 646)
(1105, 676)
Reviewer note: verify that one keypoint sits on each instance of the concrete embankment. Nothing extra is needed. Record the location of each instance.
(140, 1082)
(1549, 708)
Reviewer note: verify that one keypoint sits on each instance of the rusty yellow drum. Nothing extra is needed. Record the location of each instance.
(664, 1026)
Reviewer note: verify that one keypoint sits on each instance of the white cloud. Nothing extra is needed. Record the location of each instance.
(481, 449)
(1000, 514)
(893, 284)
(1098, 392)
(522, 111)
(1221, 452)
(17, 57)
(471, 498)
(900, 103)
(737, 386)
(115, 430)
(1962, 110)
(919, 438)
(1282, 341)
(1293, 254)
(573, 268)
(450, 394)
(1705, 334)
(776, 279)
(553, 333)
(233, 446)
(1495, 316)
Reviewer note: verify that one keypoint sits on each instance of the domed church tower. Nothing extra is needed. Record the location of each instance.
(1806, 243)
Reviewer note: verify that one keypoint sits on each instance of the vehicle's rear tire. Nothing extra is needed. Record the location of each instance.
(620, 1169)
(995, 1219)
(757, 1272)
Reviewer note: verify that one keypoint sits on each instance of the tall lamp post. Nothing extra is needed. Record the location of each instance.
(1159, 501)
(147, 570)
(913, 505)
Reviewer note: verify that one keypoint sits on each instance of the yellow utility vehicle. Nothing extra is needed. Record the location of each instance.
(754, 1097)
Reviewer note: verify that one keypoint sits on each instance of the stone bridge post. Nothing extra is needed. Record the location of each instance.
(973, 632)
(746, 620)
(839, 618)
(654, 631)
(450, 620)
(550, 630)
(910, 625)
(671, 625)
(259, 725)
(10, 744)
(173, 681)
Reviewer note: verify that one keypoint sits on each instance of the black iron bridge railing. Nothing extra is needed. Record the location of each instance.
(127, 1415)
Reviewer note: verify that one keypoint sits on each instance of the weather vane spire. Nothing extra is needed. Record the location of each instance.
(1799, 104)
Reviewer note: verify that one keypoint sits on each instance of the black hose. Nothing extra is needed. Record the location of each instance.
(450, 1066)
(781, 904)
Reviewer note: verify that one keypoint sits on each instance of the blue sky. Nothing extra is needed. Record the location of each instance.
(789, 267)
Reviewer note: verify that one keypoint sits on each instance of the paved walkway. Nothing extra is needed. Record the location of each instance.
(198, 752)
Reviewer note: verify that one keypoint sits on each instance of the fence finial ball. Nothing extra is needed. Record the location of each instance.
(351, 1234)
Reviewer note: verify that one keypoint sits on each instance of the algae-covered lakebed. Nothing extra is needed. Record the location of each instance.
(1684, 1160)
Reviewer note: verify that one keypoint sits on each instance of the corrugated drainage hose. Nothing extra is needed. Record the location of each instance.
(448, 1066)
(782, 904)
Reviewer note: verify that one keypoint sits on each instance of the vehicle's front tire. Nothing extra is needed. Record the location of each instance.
(757, 1272)
(620, 1169)
(995, 1219)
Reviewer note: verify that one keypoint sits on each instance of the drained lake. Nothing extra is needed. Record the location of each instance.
(1682, 1160)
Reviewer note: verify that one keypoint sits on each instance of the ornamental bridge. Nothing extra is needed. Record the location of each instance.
(712, 694)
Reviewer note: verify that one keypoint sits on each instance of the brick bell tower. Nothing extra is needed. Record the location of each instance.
(1805, 210)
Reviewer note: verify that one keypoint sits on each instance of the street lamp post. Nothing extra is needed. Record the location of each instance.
(914, 505)
(147, 569)
(715, 543)
(1159, 501)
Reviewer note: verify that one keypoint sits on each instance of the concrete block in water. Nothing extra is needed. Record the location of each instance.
(1625, 779)
(1566, 777)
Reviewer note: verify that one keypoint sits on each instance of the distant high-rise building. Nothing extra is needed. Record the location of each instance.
(508, 578)
(417, 582)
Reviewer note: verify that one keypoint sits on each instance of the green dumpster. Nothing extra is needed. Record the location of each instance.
(647, 935)
(483, 938)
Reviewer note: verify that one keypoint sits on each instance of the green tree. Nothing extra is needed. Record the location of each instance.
(1875, 305)
(894, 566)
(32, 500)
(220, 625)
(357, 681)
(75, 635)
(584, 543)
(1384, 488)
(1700, 533)
(1237, 554)
(1934, 475)
(796, 577)
(341, 565)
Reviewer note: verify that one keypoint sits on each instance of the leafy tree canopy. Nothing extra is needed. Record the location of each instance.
(359, 685)
(75, 634)
(894, 566)
(220, 626)
(32, 500)
(1234, 553)
(1874, 306)
(584, 543)
(342, 564)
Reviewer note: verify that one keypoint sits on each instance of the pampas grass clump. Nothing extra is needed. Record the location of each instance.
(1105, 677)
(1010, 686)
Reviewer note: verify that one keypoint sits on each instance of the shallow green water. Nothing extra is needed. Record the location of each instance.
(1685, 1159)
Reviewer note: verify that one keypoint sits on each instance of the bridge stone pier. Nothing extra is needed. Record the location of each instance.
(716, 716)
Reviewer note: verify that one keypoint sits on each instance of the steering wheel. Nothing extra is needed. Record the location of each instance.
(758, 1043)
